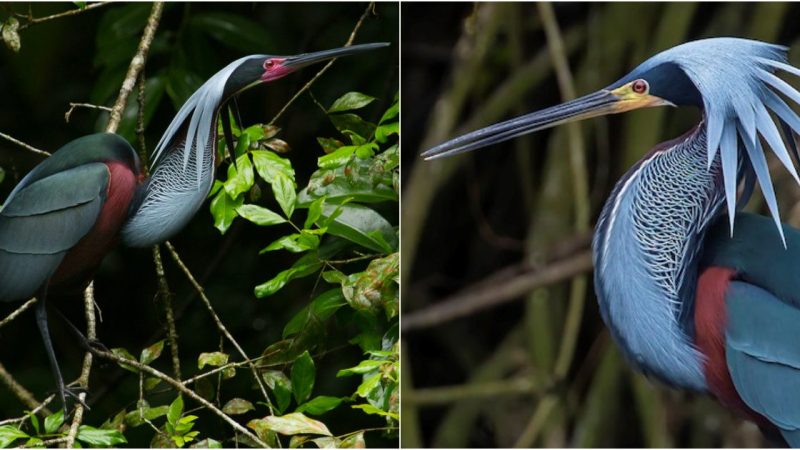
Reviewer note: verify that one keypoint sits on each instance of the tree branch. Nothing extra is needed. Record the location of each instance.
(71, 12)
(24, 145)
(471, 299)
(218, 322)
(137, 63)
(180, 387)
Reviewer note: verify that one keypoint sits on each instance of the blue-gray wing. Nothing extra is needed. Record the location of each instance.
(763, 355)
(42, 220)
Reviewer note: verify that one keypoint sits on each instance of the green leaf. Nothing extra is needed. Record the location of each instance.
(295, 243)
(355, 440)
(242, 146)
(369, 409)
(327, 442)
(356, 223)
(352, 123)
(123, 353)
(321, 309)
(375, 287)
(136, 418)
(303, 375)
(366, 366)
(268, 165)
(223, 209)
(175, 411)
(215, 359)
(100, 438)
(314, 212)
(237, 406)
(9, 434)
(207, 443)
(333, 276)
(337, 158)
(369, 384)
(383, 132)
(329, 144)
(350, 101)
(281, 387)
(150, 383)
(365, 181)
(390, 113)
(151, 353)
(304, 266)
(319, 405)
(35, 422)
(285, 194)
(259, 215)
(53, 422)
(295, 423)
(240, 177)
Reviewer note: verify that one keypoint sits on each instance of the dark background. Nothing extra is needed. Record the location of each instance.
(476, 215)
(64, 61)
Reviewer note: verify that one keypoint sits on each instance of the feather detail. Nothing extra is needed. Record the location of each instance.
(201, 111)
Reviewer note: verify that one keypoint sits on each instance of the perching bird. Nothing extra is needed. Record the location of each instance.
(69, 211)
(696, 294)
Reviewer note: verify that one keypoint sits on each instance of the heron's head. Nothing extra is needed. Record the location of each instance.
(257, 69)
(733, 81)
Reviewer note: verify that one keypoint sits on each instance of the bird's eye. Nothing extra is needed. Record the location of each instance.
(640, 86)
(269, 64)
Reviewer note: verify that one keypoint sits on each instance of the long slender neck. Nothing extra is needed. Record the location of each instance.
(645, 252)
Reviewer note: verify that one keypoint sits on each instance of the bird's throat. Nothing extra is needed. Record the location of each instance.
(646, 247)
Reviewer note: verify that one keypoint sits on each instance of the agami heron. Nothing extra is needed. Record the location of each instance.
(694, 298)
(70, 210)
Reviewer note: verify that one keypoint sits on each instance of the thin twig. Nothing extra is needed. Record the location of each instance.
(39, 409)
(71, 12)
(17, 312)
(166, 298)
(489, 389)
(218, 322)
(72, 107)
(308, 85)
(136, 66)
(83, 380)
(19, 390)
(24, 145)
(470, 300)
(180, 387)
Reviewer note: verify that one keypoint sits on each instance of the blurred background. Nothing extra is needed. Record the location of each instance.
(503, 344)
(83, 58)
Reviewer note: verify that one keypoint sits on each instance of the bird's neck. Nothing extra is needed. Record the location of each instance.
(646, 248)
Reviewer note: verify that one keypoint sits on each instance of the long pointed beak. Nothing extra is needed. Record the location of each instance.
(296, 62)
(597, 104)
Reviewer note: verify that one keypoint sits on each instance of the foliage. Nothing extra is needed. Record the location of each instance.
(338, 228)
(304, 403)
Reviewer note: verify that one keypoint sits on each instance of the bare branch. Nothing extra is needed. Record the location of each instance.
(470, 300)
(83, 380)
(39, 409)
(24, 145)
(308, 85)
(72, 107)
(218, 322)
(136, 66)
(180, 387)
(17, 312)
(166, 297)
(71, 12)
